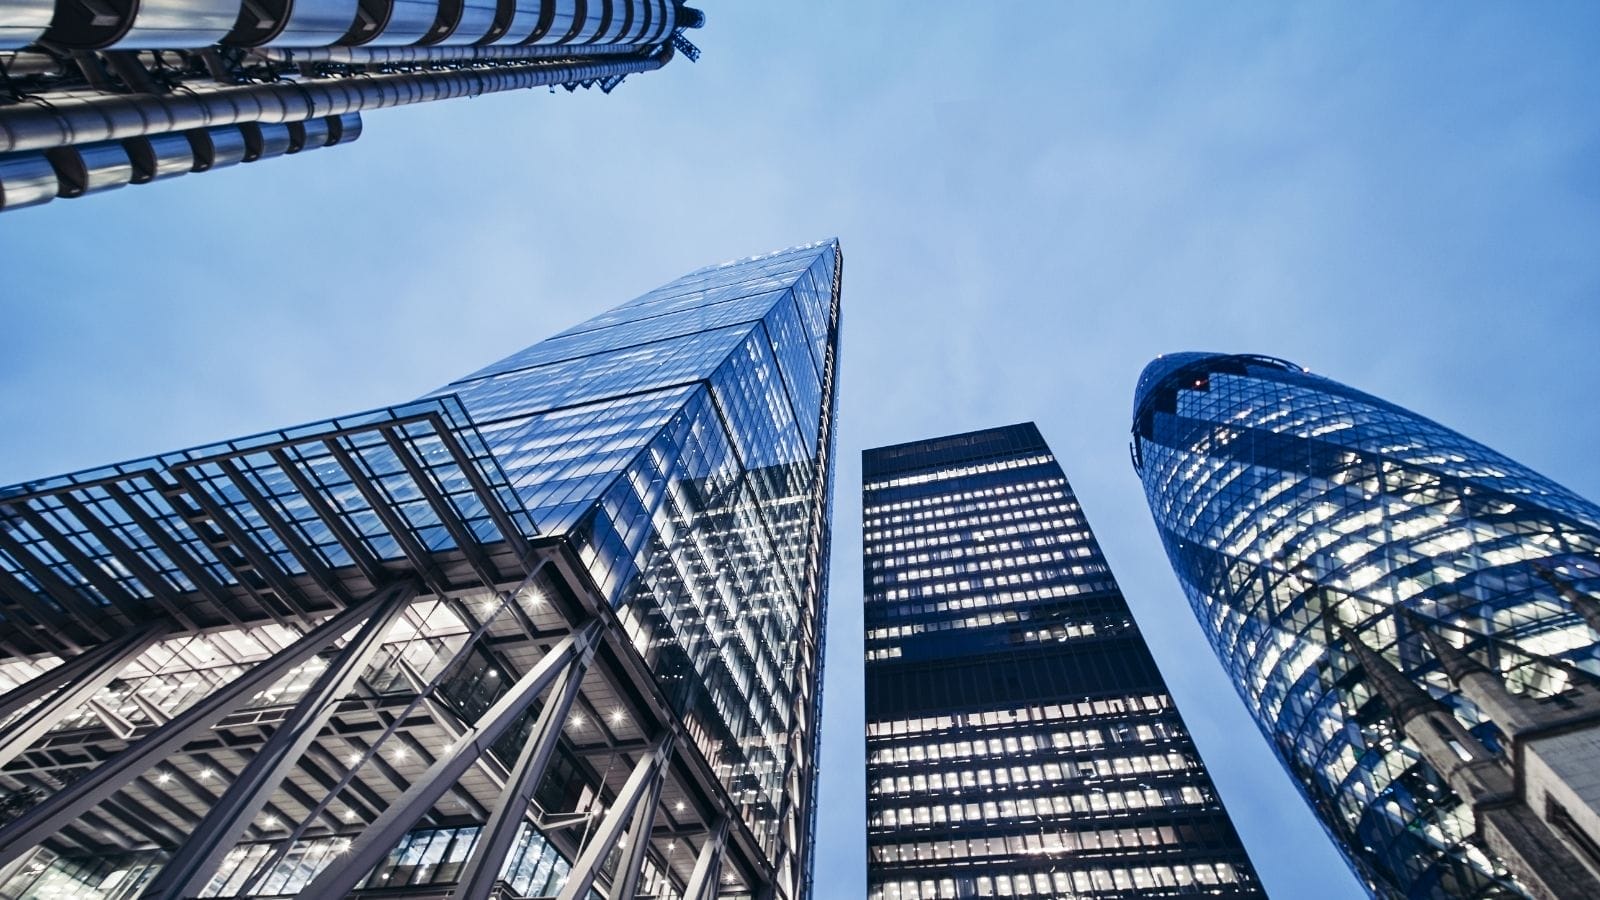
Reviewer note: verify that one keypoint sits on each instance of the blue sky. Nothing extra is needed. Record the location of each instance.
(1034, 200)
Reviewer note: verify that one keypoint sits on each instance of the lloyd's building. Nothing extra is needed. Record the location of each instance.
(551, 631)
(99, 94)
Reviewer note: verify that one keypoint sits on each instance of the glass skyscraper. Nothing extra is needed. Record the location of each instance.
(1326, 537)
(98, 95)
(1020, 739)
(553, 628)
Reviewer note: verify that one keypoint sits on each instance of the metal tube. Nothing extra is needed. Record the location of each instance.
(375, 841)
(477, 878)
(358, 56)
(34, 826)
(78, 679)
(702, 883)
(80, 120)
(604, 840)
(197, 860)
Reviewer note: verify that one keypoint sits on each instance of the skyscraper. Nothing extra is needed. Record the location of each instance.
(1020, 739)
(1407, 614)
(555, 626)
(98, 95)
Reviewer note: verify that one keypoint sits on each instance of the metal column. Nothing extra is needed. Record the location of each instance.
(640, 782)
(78, 679)
(194, 863)
(482, 870)
(34, 826)
(375, 842)
(625, 882)
(708, 865)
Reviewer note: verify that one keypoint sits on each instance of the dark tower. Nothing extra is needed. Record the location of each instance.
(1020, 739)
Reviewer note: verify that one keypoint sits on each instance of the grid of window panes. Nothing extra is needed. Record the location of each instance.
(1020, 740)
(1290, 503)
(681, 442)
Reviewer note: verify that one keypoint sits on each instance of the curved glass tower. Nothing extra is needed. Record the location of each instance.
(1297, 511)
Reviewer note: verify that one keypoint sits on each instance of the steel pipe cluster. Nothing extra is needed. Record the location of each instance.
(193, 24)
(105, 93)
(37, 176)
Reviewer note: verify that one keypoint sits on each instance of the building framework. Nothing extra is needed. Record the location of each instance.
(99, 94)
(1409, 616)
(554, 628)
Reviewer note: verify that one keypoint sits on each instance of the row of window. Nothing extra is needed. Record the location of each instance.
(945, 505)
(1142, 881)
(960, 472)
(1026, 520)
(1033, 774)
(1036, 841)
(954, 546)
(1092, 802)
(981, 620)
(999, 556)
(999, 490)
(981, 600)
(1049, 712)
(1032, 568)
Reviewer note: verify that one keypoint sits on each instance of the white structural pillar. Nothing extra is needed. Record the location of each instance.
(373, 845)
(34, 826)
(617, 818)
(73, 683)
(482, 870)
(193, 865)
(702, 883)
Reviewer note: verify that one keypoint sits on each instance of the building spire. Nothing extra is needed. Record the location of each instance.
(1404, 698)
(1511, 713)
(1587, 606)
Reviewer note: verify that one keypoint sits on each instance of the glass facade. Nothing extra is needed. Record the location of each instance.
(1292, 506)
(1020, 739)
(674, 453)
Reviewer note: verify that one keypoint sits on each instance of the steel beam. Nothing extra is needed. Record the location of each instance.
(625, 881)
(482, 869)
(702, 883)
(34, 826)
(378, 838)
(73, 668)
(83, 677)
(197, 860)
(617, 818)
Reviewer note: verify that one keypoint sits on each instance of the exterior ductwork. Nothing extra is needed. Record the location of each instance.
(26, 179)
(228, 81)
(161, 156)
(35, 177)
(23, 21)
(116, 117)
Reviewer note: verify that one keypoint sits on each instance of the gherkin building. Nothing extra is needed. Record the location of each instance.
(1295, 509)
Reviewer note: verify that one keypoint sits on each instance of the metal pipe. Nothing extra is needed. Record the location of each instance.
(587, 867)
(399, 817)
(359, 56)
(197, 860)
(477, 878)
(34, 826)
(116, 116)
(78, 679)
